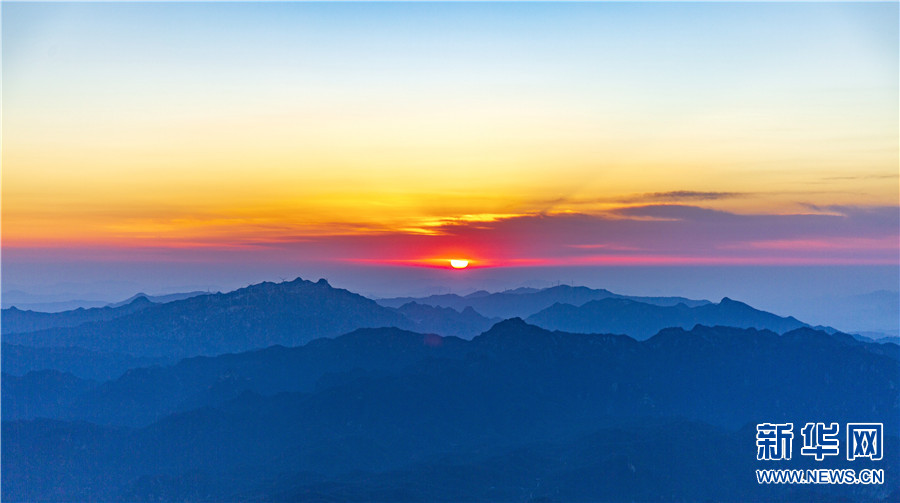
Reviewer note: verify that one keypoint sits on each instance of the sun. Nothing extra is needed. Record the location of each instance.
(458, 263)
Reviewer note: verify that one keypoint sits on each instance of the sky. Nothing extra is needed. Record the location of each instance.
(170, 145)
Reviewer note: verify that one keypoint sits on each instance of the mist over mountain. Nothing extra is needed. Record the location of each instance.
(51, 303)
(298, 391)
(388, 414)
(523, 302)
(42, 393)
(60, 302)
(84, 363)
(445, 320)
(15, 320)
(143, 395)
(289, 313)
(159, 299)
(641, 320)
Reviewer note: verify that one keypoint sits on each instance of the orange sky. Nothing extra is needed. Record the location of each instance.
(165, 126)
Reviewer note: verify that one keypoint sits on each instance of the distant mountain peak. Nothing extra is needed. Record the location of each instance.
(813, 335)
(512, 327)
(642, 320)
(703, 334)
(524, 302)
(288, 313)
(511, 323)
(522, 290)
(670, 333)
(156, 299)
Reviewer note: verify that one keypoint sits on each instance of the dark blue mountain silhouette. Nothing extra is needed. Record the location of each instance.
(144, 395)
(292, 313)
(159, 299)
(445, 320)
(86, 364)
(518, 412)
(641, 320)
(14, 320)
(43, 393)
(109, 340)
(524, 302)
(289, 313)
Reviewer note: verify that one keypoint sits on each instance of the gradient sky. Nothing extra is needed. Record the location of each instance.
(404, 134)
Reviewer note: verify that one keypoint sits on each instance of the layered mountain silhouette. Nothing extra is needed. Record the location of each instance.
(159, 299)
(299, 391)
(642, 320)
(295, 312)
(84, 363)
(446, 320)
(518, 412)
(102, 343)
(143, 395)
(289, 313)
(523, 302)
(42, 393)
(16, 321)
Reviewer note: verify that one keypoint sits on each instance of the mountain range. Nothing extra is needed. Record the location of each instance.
(101, 343)
(523, 302)
(641, 320)
(299, 391)
(15, 320)
(289, 313)
(60, 302)
(518, 412)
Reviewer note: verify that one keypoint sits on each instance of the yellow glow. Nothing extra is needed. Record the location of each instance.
(223, 154)
(459, 263)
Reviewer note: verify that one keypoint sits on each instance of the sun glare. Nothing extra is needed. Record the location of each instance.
(458, 263)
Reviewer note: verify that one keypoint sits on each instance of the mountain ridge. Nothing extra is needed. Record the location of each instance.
(16, 320)
(292, 313)
(260, 315)
(387, 406)
(641, 320)
(524, 302)
(142, 395)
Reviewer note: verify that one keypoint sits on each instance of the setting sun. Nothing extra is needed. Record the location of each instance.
(459, 263)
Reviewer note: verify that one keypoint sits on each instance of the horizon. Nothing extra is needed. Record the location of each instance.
(842, 298)
(215, 145)
(158, 138)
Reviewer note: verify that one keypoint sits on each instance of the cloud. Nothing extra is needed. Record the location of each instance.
(862, 177)
(682, 195)
(644, 234)
(650, 234)
(676, 196)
